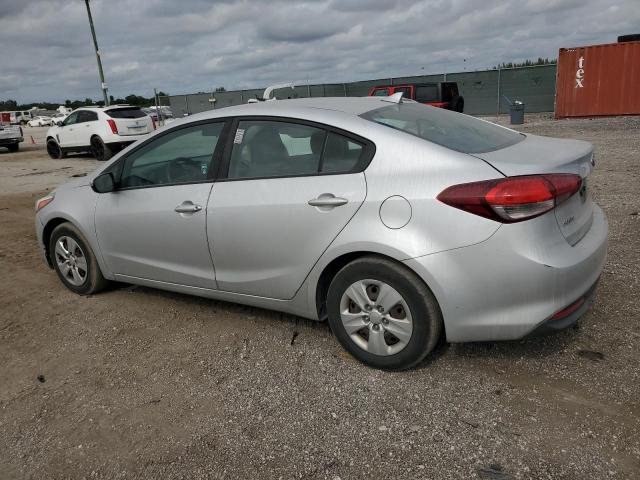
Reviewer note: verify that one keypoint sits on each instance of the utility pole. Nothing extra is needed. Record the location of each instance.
(103, 85)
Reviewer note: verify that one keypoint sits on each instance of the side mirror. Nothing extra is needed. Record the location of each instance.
(104, 183)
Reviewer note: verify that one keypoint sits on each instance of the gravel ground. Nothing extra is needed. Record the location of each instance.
(140, 383)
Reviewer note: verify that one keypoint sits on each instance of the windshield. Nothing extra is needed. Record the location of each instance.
(133, 112)
(450, 129)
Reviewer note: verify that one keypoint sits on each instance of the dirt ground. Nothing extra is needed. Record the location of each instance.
(140, 383)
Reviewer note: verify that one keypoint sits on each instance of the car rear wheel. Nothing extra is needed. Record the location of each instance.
(54, 150)
(14, 147)
(383, 314)
(100, 150)
(74, 261)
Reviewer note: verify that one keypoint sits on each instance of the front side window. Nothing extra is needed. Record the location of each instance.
(71, 119)
(275, 149)
(180, 156)
(450, 129)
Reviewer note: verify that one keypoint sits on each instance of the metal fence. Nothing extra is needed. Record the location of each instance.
(483, 91)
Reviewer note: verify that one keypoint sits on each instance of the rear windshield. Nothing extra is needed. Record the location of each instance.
(126, 113)
(450, 129)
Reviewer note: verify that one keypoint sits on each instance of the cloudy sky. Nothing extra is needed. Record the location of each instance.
(184, 46)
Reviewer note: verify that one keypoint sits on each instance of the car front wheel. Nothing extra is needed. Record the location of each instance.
(74, 261)
(54, 150)
(383, 314)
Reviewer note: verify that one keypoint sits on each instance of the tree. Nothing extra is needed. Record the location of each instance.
(528, 63)
(220, 89)
(8, 104)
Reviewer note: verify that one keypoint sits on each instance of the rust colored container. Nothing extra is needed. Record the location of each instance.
(598, 80)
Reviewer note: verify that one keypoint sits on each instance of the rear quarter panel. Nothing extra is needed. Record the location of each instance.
(417, 170)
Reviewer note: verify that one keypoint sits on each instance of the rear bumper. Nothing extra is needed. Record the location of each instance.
(555, 324)
(511, 284)
(11, 141)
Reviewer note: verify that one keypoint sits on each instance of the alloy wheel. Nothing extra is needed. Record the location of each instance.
(71, 261)
(97, 148)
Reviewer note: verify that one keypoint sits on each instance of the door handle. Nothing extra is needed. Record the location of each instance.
(188, 207)
(327, 200)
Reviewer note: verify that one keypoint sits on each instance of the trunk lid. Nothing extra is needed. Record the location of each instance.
(130, 120)
(538, 155)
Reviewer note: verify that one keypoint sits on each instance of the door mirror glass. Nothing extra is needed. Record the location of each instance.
(104, 183)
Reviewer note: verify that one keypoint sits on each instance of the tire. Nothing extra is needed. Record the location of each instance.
(100, 150)
(68, 248)
(54, 150)
(417, 307)
(14, 147)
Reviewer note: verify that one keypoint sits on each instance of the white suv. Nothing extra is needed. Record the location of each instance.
(102, 131)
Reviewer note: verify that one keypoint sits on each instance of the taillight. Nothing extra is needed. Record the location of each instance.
(114, 127)
(512, 199)
(153, 122)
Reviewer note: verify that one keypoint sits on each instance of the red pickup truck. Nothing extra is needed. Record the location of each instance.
(438, 94)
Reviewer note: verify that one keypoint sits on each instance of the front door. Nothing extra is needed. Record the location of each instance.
(290, 189)
(154, 225)
(67, 134)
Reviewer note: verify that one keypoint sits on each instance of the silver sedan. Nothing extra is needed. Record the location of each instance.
(398, 223)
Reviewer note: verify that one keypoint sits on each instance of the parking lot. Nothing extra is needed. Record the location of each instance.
(141, 383)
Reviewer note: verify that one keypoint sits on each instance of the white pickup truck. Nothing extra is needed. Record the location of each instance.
(10, 137)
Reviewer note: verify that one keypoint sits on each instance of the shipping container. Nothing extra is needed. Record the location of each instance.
(598, 80)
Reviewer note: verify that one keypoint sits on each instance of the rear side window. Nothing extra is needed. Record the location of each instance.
(406, 91)
(426, 93)
(126, 113)
(86, 116)
(340, 154)
(275, 149)
(266, 148)
(449, 91)
(450, 129)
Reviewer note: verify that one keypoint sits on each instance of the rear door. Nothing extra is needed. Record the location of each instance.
(290, 188)
(130, 121)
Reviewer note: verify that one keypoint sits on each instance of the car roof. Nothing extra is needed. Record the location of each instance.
(295, 107)
(108, 107)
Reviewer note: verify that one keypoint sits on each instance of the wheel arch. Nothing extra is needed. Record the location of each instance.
(46, 235)
(335, 265)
